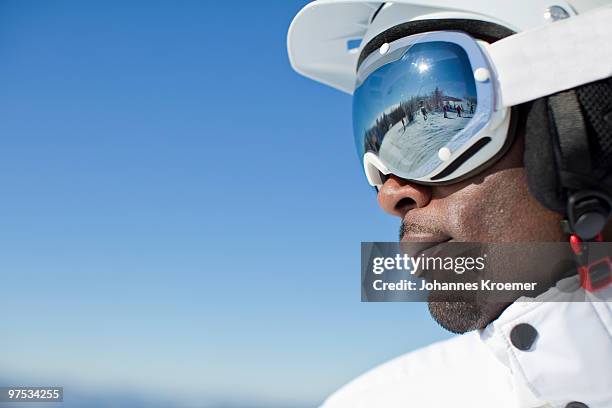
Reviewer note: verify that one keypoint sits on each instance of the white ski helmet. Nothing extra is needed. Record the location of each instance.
(326, 37)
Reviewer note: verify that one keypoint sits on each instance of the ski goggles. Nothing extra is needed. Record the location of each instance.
(435, 107)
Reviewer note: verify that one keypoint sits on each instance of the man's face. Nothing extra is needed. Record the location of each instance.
(493, 206)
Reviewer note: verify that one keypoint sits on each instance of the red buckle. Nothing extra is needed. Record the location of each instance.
(575, 243)
(597, 275)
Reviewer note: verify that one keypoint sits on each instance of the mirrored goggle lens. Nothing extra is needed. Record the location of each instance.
(417, 104)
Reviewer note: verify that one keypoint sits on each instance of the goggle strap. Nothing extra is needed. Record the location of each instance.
(559, 56)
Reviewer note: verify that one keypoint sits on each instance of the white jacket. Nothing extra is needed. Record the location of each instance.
(570, 360)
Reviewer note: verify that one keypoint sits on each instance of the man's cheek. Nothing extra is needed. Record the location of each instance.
(465, 220)
(469, 214)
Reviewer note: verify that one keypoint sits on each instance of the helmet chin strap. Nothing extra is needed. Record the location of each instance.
(589, 202)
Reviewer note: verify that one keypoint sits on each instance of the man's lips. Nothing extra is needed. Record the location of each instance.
(414, 245)
(417, 237)
(430, 247)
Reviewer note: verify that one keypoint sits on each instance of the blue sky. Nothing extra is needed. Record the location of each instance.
(181, 212)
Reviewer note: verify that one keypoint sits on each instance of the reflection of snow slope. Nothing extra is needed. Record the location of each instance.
(416, 149)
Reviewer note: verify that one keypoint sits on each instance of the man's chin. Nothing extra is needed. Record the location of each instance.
(464, 316)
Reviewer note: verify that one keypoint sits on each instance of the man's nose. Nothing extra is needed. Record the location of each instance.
(398, 196)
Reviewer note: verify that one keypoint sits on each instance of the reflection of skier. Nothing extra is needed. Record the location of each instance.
(423, 111)
(404, 123)
(445, 109)
(471, 108)
(458, 111)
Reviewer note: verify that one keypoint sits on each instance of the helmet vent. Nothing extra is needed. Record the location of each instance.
(353, 44)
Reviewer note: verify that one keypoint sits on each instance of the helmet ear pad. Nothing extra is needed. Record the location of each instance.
(568, 143)
(540, 157)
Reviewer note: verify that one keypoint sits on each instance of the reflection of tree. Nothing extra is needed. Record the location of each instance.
(437, 99)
